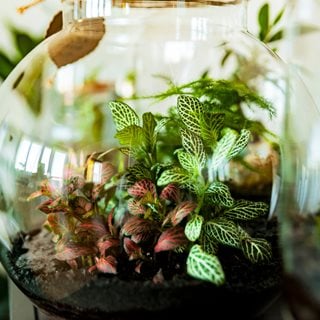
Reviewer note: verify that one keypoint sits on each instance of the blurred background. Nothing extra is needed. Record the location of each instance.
(20, 33)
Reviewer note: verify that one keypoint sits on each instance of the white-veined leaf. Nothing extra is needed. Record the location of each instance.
(246, 210)
(174, 175)
(194, 145)
(256, 249)
(123, 115)
(209, 244)
(149, 125)
(224, 231)
(190, 109)
(204, 266)
(193, 227)
(131, 136)
(241, 142)
(188, 161)
(218, 193)
(222, 149)
(211, 126)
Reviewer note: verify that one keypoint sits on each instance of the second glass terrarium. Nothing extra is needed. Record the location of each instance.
(140, 162)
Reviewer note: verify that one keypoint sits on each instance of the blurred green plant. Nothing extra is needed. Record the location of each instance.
(23, 43)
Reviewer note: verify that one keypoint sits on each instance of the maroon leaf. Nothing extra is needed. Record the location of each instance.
(45, 206)
(171, 239)
(158, 277)
(132, 249)
(181, 211)
(95, 227)
(107, 172)
(73, 251)
(135, 207)
(171, 192)
(105, 244)
(141, 188)
(107, 264)
(81, 205)
(59, 223)
(112, 229)
(140, 228)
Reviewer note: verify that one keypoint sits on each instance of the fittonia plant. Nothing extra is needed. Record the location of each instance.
(173, 206)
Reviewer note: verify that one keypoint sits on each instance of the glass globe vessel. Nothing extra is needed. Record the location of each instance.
(299, 203)
(140, 163)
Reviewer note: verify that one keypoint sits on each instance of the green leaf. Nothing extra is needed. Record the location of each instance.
(6, 65)
(24, 42)
(263, 19)
(149, 125)
(241, 142)
(194, 145)
(193, 227)
(256, 250)
(278, 17)
(123, 115)
(174, 175)
(277, 36)
(218, 193)
(243, 234)
(188, 161)
(204, 266)
(131, 136)
(190, 109)
(209, 244)
(211, 126)
(223, 149)
(139, 172)
(224, 231)
(246, 210)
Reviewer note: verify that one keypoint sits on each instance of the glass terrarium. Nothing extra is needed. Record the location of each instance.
(140, 163)
(299, 205)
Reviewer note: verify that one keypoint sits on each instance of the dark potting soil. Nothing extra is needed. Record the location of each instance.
(77, 294)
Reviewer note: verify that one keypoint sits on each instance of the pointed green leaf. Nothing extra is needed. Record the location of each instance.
(139, 172)
(194, 145)
(209, 244)
(222, 149)
(188, 161)
(256, 250)
(224, 231)
(174, 175)
(246, 210)
(123, 115)
(131, 136)
(263, 19)
(193, 227)
(241, 142)
(204, 266)
(211, 126)
(218, 193)
(149, 125)
(189, 109)
(243, 234)
(278, 17)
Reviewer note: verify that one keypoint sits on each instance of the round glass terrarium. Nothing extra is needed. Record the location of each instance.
(299, 203)
(140, 163)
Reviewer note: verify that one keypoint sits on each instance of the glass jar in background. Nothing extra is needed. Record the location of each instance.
(140, 163)
(299, 201)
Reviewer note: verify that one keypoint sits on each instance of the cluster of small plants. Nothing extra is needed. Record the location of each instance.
(168, 207)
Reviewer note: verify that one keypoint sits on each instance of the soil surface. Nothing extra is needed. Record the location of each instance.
(78, 294)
